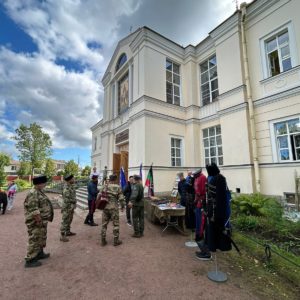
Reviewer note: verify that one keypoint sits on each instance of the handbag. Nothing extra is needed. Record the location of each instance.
(102, 200)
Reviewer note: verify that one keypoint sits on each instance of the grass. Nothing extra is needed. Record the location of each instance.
(274, 279)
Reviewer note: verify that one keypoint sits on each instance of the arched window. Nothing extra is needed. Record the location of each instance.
(121, 61)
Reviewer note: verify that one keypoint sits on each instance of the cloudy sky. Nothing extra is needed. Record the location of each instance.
(53, 54)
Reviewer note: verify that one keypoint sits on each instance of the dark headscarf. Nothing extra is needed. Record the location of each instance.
(212, 170)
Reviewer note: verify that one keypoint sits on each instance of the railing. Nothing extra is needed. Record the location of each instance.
(57, 186)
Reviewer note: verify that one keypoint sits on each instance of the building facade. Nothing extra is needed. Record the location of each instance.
(233, 99)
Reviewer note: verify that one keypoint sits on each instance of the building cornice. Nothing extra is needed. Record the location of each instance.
(232, 92)
(257, 7)
(233, 109)
(277, 97)
(97, 125)
(126, 40)
(149, 36)
(225, 27)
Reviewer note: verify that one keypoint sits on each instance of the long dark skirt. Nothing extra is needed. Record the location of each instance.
(190, 221)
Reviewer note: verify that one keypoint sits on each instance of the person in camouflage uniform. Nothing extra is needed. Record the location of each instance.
(68, 207)
(136, 202)
(111, 211)
(38, 211)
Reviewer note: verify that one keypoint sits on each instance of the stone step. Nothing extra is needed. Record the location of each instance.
(81, 197)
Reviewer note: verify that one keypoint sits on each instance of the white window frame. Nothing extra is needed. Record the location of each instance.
(216, 145)
(273, 136)
(209, 81)
(181, 150)
(292, 45)
(173, 84)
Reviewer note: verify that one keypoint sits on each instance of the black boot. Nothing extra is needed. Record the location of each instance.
(32, 263)
(42, 255)
(92, 223)
(87, 220)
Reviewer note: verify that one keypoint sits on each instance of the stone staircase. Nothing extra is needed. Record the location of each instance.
(81, 197)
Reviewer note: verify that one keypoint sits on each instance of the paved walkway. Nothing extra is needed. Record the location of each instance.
(154, 267)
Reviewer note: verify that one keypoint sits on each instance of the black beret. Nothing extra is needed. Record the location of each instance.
(137, 177)
(112, 177)
(69, 177)
(39, 179)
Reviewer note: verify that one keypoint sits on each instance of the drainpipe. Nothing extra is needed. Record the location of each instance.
(249, 100)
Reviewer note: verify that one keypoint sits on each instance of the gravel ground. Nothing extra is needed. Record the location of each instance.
(154, 267)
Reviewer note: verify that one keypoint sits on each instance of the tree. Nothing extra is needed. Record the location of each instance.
(50, 168)
(33, 144)
(71, 168)
(25, 168)
(86, 171)
(4, 161)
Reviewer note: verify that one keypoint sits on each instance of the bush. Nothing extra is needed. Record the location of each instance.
(22, 184)
(246, 223)
(257, 205)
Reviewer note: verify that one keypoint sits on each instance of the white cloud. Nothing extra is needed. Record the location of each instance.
(33, 88)
(65, 28)
(65, 103)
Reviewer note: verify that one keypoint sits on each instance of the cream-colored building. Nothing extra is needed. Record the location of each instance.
(233, 99)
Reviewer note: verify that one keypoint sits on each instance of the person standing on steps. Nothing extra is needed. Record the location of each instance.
(68, 207)
(137, 204)
(38, 211)
(92, 195)
(111, 212)
(127, 193)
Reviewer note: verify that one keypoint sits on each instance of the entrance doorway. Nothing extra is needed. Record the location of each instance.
(120, 160)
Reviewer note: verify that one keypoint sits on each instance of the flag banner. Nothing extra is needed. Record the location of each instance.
(123, 181)
(150, 182)
(141, 171)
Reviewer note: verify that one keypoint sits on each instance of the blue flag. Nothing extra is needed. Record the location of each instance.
(123, 181)
(141, 173)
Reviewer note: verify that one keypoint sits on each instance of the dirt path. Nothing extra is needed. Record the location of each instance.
(154, 267)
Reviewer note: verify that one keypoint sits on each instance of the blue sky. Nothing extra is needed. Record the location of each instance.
(54, 53)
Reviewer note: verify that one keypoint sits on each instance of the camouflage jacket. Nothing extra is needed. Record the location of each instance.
(114, 195)
(69, 195)
(37, 203)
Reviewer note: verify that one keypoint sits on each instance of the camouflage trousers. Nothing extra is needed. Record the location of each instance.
(37, 238)
(67, 218)
(138, 219)
(110, 214)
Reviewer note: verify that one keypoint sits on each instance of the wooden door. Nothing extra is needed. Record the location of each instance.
(116, 164)
(124, 162)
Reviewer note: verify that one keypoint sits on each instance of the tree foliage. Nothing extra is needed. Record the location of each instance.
(25, 168)
(33, 144)
(4, 161)
(71, 168)
(86, 171)
(50, 168)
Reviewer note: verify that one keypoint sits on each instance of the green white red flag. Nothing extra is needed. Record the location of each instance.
(150, 182)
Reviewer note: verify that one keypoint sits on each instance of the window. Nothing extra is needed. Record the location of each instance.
(287, 135)
(95, 143)
(176, 152)
(121, 61)
(123, 94)
(173, 82)
(278, 53)
(13, 168)
(212, 141)
(209, 81)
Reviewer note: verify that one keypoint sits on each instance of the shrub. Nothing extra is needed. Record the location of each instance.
(22, 184)
(257, 205)
(246, 223)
